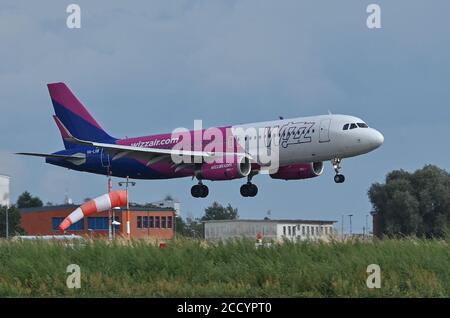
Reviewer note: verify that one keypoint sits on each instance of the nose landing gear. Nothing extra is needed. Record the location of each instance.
(338, 178)
(199, 190)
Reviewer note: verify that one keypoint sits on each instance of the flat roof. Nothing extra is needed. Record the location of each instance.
(50, 208)
(274, 221)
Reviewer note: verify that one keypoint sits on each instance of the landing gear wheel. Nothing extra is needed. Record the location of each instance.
(253, 190)
(204, 191)
(339, 178)
(249, 190)
(195, 192)
(244, 190)
(199, 191)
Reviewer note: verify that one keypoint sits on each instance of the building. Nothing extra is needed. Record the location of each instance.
(4, 190)
(152, 222)
(276, 230)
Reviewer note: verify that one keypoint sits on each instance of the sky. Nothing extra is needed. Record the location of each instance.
(144, 67)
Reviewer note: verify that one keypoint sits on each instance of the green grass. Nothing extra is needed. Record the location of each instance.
(187, 268)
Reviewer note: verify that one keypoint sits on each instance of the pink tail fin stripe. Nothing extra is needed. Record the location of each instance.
(61, 94)
(62, 129)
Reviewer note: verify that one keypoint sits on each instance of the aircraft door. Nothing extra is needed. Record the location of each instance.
(105, 159)
(324, 133)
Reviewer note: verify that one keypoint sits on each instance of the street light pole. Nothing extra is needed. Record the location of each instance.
(110, 234)
(350, 216)
(367, 225)
(132, 183)
(7, 222)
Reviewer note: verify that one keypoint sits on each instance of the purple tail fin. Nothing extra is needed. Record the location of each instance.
(72, 117)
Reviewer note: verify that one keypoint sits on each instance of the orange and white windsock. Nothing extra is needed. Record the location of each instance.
(102, 203)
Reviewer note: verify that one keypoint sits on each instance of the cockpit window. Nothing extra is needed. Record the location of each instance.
(353, 126)
(362, 125)
(345, 127)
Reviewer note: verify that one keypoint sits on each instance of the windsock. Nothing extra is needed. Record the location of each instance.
(102, 203)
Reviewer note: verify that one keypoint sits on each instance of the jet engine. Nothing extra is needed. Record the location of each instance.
(299, 171)
(232, 167)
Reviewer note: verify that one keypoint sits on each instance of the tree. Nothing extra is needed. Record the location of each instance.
(26, 200)
(189, 228)
(413, 203)
(13, 221)
(193, 227)
(218, 212)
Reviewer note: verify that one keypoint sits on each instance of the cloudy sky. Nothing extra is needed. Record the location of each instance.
(144, 67)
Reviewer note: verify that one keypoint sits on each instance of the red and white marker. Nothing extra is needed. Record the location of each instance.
(102, 203)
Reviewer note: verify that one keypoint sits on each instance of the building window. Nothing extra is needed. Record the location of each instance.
(284, 230)
(157, 222)
(98, 223)
(151, 221)
(139, 222)
(169, 222)
(312, 230)
(294, 231)
(163, 222)
(78, 226)
(289, 230)
(303, 230)
(145, 222)
(56, 222)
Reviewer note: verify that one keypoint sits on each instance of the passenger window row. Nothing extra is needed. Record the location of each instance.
(353, 126)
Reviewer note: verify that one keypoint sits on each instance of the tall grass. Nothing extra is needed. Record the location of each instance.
(189, 268)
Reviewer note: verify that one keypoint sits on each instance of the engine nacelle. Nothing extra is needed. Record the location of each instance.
(299, 171)
(231, 168)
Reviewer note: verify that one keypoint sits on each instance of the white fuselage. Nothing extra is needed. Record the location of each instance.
(309, 139)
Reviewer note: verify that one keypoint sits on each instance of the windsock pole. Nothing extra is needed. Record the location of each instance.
(128, 183)
(128, 214)
(109, 211)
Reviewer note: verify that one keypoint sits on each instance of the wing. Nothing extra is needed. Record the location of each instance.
(156, 154)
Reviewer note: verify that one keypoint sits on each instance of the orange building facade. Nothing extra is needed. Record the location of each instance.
(154, 222)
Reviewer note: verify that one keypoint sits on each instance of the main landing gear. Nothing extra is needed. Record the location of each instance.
(249, 189)
(199, 190)
(338, 178)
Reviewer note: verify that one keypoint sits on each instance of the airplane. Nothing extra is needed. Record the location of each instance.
(303, 144)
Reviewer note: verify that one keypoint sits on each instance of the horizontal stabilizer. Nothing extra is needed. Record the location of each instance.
(46, 155)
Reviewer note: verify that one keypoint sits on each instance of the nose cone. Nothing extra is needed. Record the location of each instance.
(376, 139)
